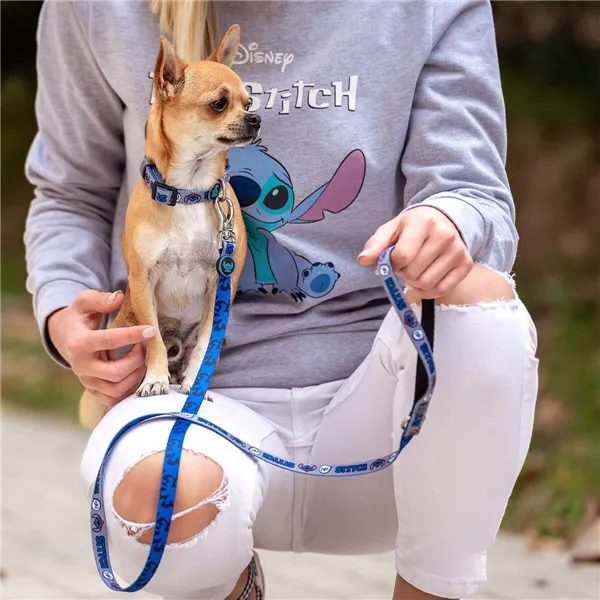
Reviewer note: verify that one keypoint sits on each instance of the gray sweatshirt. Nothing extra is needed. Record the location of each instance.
(368, 108)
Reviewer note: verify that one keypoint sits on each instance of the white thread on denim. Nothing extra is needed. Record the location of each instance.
(220, 498)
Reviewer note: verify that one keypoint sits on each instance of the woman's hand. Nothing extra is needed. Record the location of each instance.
(429, 255)
(75, 333)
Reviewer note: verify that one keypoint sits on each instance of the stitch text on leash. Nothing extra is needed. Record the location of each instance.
(351, 468)
(389, 282)
(279, 461)
(100, 541)
(428, 357)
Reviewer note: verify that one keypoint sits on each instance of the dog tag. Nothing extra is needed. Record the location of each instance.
(226, 266)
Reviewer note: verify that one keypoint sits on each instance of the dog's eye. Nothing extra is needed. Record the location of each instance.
(219, 105)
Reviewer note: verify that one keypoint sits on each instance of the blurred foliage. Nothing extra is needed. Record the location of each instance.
(550, 61)
(29, 377)
(550, 58)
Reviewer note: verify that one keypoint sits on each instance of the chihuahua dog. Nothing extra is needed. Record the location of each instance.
(200, 110)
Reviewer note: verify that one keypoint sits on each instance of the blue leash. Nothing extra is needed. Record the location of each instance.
(189, 414)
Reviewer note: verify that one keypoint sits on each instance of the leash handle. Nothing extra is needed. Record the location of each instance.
(421, 335)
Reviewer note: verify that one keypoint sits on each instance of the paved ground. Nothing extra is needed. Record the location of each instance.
(46, 548)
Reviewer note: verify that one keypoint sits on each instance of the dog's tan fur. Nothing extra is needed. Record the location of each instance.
(171, 252)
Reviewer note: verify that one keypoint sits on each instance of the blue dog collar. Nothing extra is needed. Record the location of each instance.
(169, 195)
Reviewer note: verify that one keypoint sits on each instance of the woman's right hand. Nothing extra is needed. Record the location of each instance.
(74, 331)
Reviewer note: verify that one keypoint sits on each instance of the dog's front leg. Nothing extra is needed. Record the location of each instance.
(143, 304)
(199, 350)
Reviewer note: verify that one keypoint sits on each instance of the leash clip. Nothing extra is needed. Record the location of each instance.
(226, 233)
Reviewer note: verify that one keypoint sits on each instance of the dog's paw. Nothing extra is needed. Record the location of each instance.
(189, 378)
(153, 387)
(187, 384)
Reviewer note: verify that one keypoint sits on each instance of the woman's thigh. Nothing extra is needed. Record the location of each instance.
(442, 503)
(353, 515)
(303, 513)
(208, 565)
(453, 481)
(339, 422)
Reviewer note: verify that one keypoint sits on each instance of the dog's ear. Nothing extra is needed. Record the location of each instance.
(169, 72)
(228, 47)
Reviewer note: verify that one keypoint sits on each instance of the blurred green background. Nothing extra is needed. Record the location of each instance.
(550, 61)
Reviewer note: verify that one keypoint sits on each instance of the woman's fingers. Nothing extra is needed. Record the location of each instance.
(429, 252)
(383, 238)
(112, 393)
(90, 302)
(115, 370)
(439, 280)
(88, 342)
(444, 260)
(411, 257)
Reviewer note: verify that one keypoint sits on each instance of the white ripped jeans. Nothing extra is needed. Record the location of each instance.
(440, 506)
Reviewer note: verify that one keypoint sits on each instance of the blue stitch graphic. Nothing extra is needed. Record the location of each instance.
(264, 189)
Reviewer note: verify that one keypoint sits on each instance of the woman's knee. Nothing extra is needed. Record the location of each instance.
(201, 490)
(482, 284)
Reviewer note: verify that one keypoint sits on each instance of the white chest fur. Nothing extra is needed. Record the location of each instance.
(182, 261)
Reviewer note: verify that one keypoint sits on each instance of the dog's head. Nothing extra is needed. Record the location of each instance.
(202, 107)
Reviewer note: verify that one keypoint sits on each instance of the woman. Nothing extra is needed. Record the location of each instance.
(383, 123)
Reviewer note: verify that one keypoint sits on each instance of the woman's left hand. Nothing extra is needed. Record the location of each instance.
(429, 255)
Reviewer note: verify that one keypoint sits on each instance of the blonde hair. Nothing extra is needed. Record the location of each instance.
(191, 25)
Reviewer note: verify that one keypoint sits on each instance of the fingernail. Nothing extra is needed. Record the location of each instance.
(149, 332)
(363, 254)
(114, 295)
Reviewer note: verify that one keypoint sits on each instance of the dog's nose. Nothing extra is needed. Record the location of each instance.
(253, 120)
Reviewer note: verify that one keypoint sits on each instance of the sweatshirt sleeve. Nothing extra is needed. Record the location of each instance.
(454, 158)
(75, 165)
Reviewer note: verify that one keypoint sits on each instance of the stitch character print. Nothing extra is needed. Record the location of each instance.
(266, 195)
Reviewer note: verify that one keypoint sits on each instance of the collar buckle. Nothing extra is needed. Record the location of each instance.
(164, 193)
